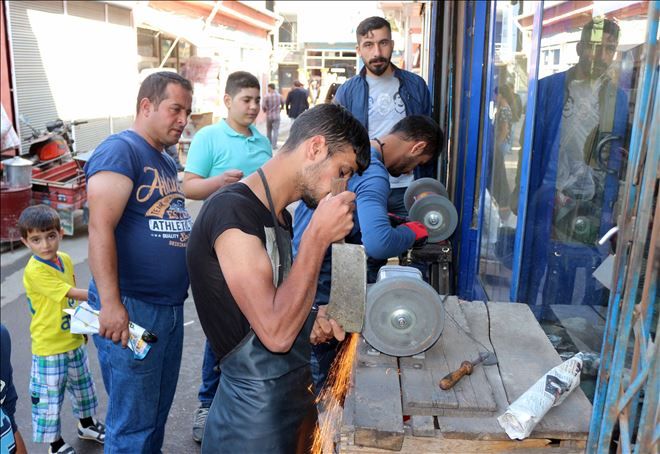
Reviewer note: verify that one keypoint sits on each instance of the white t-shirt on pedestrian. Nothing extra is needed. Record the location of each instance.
(386, 108)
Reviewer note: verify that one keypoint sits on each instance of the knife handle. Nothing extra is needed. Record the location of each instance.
(452, 378)
(338, 185)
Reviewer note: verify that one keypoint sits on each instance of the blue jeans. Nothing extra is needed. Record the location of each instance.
(210, 377)
(140, 392)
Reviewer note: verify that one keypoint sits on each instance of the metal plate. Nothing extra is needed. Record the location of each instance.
(403, 316)
(438, 215)
(421, 186)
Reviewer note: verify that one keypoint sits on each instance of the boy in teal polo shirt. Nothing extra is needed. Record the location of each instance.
(227, 151)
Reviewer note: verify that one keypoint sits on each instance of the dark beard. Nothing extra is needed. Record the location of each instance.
(378, 71)
(309, 200)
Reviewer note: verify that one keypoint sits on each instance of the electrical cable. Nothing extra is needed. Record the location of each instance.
(444, 299)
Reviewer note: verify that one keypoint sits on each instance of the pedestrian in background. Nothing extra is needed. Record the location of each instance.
(59, 358)
(332, 91)
(272, 105)
(138, 232)
(296, 100)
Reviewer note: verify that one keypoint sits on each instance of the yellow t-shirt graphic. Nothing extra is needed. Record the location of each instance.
(46, 284)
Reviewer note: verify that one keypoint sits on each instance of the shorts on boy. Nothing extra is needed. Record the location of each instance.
(50, 377)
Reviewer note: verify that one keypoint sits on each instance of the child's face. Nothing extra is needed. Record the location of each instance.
(244, 107)
(44, 244)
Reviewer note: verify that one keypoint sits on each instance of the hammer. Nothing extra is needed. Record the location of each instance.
(449, 380)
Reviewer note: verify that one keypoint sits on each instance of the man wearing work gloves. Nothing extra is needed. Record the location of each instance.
(413, 141)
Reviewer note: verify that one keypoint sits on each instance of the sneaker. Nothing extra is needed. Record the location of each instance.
(95, 433)
(65, 449)
(199, 422)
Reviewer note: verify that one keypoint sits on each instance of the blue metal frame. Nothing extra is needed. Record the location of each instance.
(468, 154)
(486, 147)
(432, 46)
(527, 150)
(469, 285)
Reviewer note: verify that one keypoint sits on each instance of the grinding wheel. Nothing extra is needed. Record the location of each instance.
(420, 187)
(438, 215)
(404, 314)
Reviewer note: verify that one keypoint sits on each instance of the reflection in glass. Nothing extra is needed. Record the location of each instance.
(578, 158)
(509, 87)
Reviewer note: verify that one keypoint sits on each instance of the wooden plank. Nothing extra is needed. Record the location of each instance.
(422, 426)
(525, 354)
(473, 427)
(473, 392)
(584, 325)
(440, 444)
(420, 392)
(378, 417)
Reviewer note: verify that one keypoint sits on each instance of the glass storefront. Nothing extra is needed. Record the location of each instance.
(577, 155)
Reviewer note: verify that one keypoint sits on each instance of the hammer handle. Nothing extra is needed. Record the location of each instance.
(452, 378)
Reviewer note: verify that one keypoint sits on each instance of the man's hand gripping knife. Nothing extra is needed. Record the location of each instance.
(324, 327)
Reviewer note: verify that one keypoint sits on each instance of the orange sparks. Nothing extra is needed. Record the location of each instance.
(331, 398)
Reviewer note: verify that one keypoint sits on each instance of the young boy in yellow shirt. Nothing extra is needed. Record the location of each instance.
(59, 358)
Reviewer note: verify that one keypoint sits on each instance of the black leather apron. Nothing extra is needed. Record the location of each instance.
(265, 400)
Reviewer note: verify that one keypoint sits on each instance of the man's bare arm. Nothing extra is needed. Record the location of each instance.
(199, 188)
(107, 195)
(278, 314)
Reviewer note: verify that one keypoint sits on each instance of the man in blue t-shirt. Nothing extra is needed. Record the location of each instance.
(231, 149)
(414, 140)
(138, 232)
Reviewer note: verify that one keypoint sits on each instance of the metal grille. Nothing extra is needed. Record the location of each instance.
(34, 97)
(629, 401)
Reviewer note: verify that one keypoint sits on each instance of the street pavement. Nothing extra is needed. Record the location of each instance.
(15, 316)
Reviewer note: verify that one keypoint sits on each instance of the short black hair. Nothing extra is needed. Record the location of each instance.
(337, 125)
(155, 85)
(239, 80)
(421, 128)
(271, 86)
(41, 218)
(370, 24)
(599, 24)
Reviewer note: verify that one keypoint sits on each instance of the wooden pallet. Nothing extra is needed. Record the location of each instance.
(464, 419)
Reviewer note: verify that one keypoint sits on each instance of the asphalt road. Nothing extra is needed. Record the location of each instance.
(16, 318)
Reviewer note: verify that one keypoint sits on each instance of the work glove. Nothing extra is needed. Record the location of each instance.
(421, 234)
(396, 220)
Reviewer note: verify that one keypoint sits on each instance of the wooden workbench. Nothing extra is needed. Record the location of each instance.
(384, 388)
